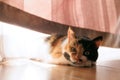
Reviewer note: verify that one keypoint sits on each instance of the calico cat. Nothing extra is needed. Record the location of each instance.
(72, 50)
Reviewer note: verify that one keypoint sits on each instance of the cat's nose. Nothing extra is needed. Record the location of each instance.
(78, 61)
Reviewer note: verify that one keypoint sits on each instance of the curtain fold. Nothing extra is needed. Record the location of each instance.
(1, 43)
(100, 15)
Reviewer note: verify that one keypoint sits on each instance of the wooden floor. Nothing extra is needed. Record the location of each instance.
(40, 71)
(106, 69)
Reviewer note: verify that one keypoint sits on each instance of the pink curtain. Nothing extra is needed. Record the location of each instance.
(100, 15)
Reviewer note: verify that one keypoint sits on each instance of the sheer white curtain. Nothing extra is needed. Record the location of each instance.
(1, 42)
(18, 42)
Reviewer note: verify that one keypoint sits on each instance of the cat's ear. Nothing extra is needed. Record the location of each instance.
(98, 41)
(70, 34)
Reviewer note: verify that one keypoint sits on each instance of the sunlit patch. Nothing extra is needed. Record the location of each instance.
(108, 54)
(21, 42)
(43, 64)
(15, 61)
(36, 72)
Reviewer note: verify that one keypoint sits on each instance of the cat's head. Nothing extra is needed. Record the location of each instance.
(79, 50)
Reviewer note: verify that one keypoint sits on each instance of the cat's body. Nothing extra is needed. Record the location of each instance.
(76, 51)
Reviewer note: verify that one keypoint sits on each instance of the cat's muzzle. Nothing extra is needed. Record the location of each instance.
(67, 56)
(81, 62)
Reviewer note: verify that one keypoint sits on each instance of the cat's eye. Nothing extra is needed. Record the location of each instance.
(73, 49)
(87, 53)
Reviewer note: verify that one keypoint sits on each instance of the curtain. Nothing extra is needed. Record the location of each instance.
(100, 15)
(1, 49)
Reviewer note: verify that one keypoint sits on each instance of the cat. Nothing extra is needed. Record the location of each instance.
(71, 49)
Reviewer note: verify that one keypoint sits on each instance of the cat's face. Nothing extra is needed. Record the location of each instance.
(80, 50)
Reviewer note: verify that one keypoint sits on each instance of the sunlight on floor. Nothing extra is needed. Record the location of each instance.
(37, 72)
(29, 71)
